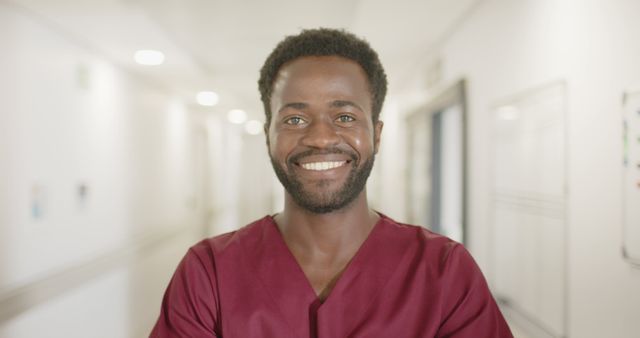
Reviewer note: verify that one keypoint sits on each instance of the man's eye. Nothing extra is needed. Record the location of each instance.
(346, 118)
(295, 120)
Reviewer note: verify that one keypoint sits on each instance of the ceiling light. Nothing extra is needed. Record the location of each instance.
(508, 113)
(207, 98)
(149, 57)
(253, 127)
(237, 116)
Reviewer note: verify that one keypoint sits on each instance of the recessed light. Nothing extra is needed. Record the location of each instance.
(149, 57)
(237, 116)
(253, 127)
(508, 113)
(207, 98)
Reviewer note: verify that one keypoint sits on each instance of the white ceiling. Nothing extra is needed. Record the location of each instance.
(220, 44)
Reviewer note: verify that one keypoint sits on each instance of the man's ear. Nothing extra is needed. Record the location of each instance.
(377, 131)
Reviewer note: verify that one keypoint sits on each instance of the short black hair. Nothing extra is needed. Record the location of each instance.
(324, 42)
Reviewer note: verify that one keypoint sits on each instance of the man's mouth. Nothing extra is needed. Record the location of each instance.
(321, 166)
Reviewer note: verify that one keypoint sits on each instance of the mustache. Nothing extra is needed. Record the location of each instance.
(311, 152)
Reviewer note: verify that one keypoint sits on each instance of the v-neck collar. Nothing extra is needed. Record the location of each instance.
(362, 280)
(301, 273)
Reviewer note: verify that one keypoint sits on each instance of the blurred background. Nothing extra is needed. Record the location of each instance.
(130, 129)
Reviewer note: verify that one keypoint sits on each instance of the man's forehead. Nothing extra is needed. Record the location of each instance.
(302, 71)
(332, 82)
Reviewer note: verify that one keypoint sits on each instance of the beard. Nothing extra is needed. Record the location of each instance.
(318, 200)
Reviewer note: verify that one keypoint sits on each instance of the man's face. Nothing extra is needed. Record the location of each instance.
(321, 137)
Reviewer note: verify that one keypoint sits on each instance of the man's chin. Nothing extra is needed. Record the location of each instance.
(325, 202)
(320, 208)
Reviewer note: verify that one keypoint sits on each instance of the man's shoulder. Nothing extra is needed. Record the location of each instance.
(417, 232)
(423, 241)
(233, 240)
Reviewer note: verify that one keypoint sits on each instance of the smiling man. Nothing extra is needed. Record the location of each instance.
(327, 265)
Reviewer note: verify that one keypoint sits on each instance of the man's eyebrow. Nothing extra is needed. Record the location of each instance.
(345, 103)
(294, 105)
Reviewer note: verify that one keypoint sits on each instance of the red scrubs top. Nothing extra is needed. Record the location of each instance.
(404, 281)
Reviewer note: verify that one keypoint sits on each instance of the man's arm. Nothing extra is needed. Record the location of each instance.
(469, 309)
(190, 307)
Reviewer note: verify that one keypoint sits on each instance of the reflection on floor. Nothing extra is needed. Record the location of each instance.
(520, 327)
(517, 331)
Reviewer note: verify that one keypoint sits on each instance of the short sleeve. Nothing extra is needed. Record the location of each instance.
(469, 309)
(190, 307)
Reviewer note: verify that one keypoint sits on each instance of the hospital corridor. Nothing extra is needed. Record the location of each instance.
(130, 130)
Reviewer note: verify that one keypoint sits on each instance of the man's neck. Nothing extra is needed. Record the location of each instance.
(326, 236)
(324, 244)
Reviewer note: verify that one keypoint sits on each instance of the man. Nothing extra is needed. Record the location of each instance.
(327, 265)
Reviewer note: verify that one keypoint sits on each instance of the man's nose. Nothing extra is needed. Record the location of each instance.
(321, 134)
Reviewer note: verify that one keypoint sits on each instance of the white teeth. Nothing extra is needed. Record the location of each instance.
(318, 166)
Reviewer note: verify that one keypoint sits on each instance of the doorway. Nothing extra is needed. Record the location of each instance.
(437, 183)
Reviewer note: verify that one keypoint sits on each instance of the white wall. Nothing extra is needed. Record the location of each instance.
(257, 180)
(505, 47)
(386, 189)
(242, 180)
(70, 117)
